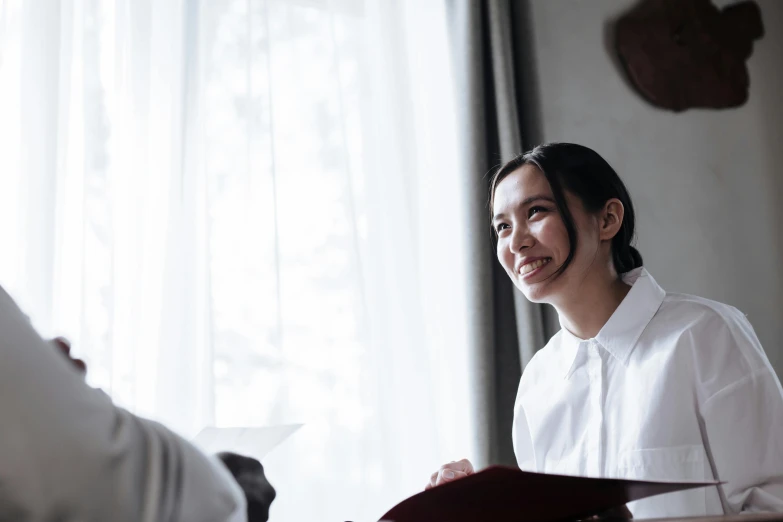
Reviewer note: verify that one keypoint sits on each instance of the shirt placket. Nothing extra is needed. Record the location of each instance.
(594, 371)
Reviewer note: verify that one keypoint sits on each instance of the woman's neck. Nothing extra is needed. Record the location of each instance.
(592, 304)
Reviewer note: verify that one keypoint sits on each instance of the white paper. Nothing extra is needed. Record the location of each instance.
(251, 442)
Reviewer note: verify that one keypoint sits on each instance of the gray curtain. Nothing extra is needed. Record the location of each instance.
(496, 110)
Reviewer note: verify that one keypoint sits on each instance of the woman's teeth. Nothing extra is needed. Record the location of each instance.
(526, 269)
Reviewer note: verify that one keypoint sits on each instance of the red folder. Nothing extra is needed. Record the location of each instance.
(502, 494)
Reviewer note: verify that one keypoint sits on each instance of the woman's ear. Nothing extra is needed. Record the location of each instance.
(611, 219)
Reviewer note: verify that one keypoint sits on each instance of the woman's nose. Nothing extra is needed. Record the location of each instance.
(521, 240)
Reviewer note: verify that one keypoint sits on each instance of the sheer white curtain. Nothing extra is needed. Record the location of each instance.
(246, 212)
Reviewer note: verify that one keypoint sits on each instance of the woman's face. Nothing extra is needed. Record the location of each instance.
(532, 238)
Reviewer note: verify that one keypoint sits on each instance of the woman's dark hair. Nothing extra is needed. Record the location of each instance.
(585, 174)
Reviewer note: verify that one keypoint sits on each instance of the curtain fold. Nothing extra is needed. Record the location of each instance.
(491, 62)
(249, 212)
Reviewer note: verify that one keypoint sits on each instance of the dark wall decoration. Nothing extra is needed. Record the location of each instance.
(682, 54)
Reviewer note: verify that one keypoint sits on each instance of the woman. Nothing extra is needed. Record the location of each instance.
(638, 383)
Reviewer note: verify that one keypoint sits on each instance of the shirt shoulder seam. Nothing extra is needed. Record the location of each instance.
(736, 384)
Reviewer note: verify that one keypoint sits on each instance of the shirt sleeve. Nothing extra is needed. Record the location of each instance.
(68, 453)
(743, 419)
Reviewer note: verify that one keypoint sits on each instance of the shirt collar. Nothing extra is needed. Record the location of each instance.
(622, 331)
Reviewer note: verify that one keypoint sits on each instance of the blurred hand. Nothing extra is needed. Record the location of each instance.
(249, 474)
(451, 472)
(64, 346)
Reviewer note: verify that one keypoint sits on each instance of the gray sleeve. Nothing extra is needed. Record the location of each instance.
(67, 453)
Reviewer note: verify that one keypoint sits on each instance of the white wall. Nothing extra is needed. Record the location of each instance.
(708, 185)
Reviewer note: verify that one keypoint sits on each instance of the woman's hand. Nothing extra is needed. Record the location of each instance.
(451, 472)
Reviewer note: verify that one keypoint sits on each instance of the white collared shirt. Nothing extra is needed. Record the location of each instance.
(673, 387)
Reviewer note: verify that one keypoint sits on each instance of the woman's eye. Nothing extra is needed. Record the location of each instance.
(535, 210)
(501, 227)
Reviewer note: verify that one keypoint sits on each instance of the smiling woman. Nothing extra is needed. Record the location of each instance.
(540, 197)
(638, 384)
